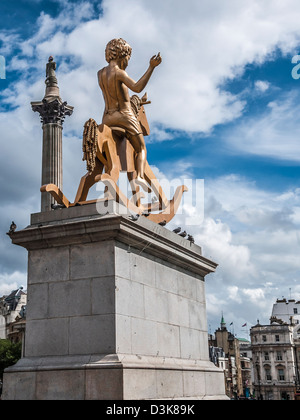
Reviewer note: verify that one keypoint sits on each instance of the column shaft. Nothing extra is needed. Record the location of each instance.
(52, 161)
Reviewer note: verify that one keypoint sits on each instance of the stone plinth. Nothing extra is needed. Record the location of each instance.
(116, 310)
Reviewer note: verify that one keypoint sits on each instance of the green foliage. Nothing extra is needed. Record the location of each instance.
(10, 353)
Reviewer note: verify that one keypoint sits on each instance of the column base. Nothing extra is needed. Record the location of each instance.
(113, 377)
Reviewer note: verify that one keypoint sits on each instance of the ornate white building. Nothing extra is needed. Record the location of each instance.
(285, 309)
(12, 308)
(276, 353)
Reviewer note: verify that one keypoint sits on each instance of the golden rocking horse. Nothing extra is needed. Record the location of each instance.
(108, 152)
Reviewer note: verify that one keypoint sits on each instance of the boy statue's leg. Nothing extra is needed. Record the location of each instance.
(139, 146)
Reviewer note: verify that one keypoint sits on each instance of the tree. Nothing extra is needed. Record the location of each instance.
(10, 353)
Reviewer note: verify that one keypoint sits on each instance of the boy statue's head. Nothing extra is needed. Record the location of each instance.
(117, 49)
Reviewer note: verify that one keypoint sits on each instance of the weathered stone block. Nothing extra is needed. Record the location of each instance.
(103, 291)
(129, 298)
(92, 260)
(92, 334)
(38, 295)
(70, 298)
(60, 385)
(156, 304)
(124, 334)
(137, 386)
(19, 386)
(169, 384)
(46, 337)
(48, 265)
(104, 384)
(144, 337)
(168, 340)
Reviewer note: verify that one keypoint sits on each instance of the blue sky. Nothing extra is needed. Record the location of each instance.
(225, 109)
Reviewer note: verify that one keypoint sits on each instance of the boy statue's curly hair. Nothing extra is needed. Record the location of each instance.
(117, 49)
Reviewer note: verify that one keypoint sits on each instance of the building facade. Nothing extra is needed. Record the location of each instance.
(13, 315)
(229, 359)
(275, 353)
(285, 309)
(246, 366)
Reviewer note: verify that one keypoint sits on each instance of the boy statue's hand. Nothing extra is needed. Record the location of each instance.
(155, 60)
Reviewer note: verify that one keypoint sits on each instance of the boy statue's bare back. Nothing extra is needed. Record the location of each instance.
(115, 82)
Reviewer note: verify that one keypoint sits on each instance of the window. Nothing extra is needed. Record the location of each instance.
(264, 338)
(266, 353)
(277, 338)
(268, 374)
(281, 374)
(295, 310)
(279, 355)
(285, 396)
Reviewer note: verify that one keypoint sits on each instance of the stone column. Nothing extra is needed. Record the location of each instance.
(52, 111)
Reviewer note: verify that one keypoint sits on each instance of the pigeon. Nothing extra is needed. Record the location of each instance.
(177, 230)
(191, 239)
(183, 234)
(163, 223)
(57, 206)
(134, 218)
(12, 228)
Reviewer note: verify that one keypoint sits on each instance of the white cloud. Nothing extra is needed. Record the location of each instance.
(8, 40)
(219, 244)
(274, 133)
(233, 294)
(212, 42)
(261, 85)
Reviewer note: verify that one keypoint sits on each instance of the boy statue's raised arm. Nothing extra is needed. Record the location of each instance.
(142, 82)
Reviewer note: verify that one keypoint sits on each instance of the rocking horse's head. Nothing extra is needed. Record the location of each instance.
(118, 49)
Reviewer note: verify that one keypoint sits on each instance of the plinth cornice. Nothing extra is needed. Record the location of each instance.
(140, 235)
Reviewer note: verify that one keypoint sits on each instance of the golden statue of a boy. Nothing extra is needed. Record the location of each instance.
(115, 82)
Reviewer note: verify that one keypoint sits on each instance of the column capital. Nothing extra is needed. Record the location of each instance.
(52, 111)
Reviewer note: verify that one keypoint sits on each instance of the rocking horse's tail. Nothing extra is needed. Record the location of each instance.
(89, 144)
